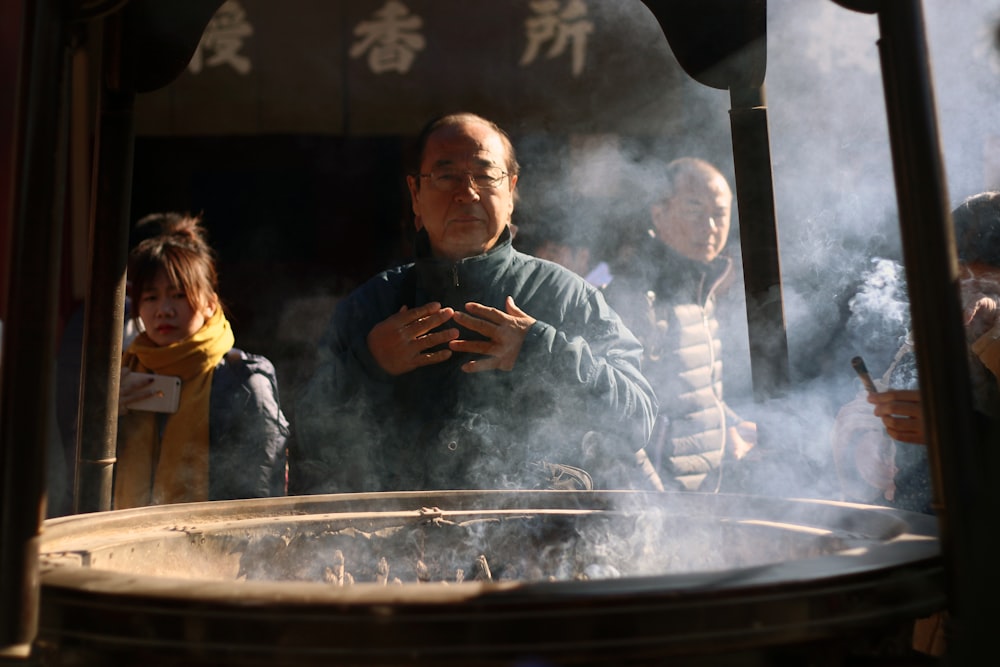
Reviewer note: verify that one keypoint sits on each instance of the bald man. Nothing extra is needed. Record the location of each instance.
(476, 366)
(664, 287)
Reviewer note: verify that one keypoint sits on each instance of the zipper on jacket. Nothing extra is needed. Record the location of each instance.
(454, 275)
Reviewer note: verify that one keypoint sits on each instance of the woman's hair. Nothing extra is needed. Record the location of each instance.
(180, 248)
(977, 229)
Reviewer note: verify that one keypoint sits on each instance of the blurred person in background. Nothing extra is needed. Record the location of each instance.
(570, 244)
(879, 440)
(664, 284)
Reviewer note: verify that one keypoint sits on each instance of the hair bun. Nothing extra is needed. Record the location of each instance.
(186, 227)
(182, 227)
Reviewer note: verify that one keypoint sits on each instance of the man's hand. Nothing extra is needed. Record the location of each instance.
(901, 414)
(400, 343)
(981, 311)
(505, 333)
(742, 438)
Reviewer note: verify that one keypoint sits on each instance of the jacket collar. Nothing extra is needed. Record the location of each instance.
(436, 274)
(670, 272)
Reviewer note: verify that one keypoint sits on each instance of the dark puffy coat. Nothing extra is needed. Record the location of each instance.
(247, 430)
(575, 395)
(668, 300)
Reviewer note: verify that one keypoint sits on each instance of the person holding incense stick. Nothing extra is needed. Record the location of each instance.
(880, 452)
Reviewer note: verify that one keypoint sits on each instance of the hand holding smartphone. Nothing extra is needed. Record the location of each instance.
(161, 394)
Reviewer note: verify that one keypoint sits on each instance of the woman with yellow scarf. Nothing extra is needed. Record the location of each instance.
(227, 438)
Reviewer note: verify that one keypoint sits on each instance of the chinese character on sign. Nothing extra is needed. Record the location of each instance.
(391, 40)
(563, 26)
(223, 39)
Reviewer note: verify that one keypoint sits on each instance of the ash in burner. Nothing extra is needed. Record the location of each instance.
(517, 548)
(528, 548)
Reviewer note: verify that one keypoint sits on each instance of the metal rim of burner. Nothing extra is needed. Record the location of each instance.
(88, 612)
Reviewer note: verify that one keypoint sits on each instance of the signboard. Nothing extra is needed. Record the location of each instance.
(377, 67)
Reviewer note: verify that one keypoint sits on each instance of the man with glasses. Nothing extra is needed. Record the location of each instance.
(476, 366)
(665, 285)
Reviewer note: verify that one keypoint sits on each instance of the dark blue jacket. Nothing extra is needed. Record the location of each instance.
(247, 430)
(575, 396)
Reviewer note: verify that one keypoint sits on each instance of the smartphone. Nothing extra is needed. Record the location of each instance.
(167, 397)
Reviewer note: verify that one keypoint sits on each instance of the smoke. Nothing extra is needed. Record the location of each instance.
(965, 56)
(630, 536)
(844, 286)
(879, 312)
(588, 191)
(833, 176)
(843, 282)
(835, 200)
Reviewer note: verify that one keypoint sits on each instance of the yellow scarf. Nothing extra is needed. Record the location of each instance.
(172, 469)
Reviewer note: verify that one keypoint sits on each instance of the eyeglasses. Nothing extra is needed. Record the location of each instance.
(449, 180)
